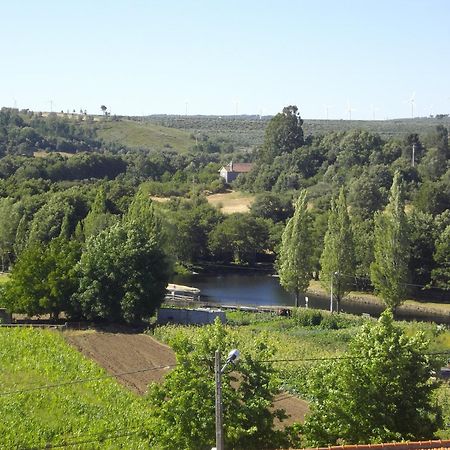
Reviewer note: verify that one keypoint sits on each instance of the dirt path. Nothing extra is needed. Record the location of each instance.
(121, 352)
(126, 352)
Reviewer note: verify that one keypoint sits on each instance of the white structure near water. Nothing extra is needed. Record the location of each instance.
(198, 316)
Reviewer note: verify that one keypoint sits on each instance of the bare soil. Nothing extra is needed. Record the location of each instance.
(125, 352)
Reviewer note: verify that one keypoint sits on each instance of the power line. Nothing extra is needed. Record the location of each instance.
(83, 442)
(84, 380)
(87, 380)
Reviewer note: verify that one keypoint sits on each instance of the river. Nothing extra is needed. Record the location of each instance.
(262, 289)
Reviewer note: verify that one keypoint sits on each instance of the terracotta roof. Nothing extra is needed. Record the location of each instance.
(239, 167)
(428, 445)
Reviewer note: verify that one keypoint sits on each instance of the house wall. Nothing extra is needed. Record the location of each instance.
(5, 316)
(189, 316)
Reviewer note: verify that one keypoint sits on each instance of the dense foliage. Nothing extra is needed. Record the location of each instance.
(381, 391)
(294, 261)
(183, 406)
(49, 189)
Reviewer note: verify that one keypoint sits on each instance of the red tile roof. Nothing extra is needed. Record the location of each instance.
(419, 445)
(239, 167)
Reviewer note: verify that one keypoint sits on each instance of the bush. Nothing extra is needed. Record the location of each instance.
(307, 317)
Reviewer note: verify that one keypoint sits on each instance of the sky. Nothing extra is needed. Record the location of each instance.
(362, 59)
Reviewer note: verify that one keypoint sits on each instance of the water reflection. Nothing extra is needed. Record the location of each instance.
(261, 289)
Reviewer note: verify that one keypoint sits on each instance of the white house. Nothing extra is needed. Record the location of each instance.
(231, 171)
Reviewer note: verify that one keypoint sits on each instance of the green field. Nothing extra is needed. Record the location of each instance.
(97, 411)
(3, 277)
(102, 414)
(135, 134)
(248, 131)
(293, 339)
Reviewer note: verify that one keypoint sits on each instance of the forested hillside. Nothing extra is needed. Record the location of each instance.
(73, 180)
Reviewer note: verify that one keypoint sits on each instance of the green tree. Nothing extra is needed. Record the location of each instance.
(123, 275)
(381, 391)
(98, 217)
(389, 271)
(183, 406)
(272, 206)
(141, 211)
(239, 238)
(44, 278)
(295, 262)
(284, 133)
(338, 256)
(9, 222)
(441, 273)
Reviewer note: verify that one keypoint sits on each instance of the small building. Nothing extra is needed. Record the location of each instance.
(231, 171)
(5, 316)
(199, 316)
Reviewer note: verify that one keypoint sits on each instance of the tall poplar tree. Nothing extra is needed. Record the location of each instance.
(389, 271)
(338, 256)
(295, 258)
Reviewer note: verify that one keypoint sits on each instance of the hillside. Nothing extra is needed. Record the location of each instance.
(249, 130)
(135, 134)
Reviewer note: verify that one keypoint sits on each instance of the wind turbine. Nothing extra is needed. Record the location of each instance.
(327, 108)
(349, 110)
(412, 101)
(374, 110)
(236, 106)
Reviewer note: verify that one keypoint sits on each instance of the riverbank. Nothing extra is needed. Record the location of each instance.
(409, 307)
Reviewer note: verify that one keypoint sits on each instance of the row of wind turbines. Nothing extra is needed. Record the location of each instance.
(374, 109)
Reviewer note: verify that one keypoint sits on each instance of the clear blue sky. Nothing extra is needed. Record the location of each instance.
(219, 57)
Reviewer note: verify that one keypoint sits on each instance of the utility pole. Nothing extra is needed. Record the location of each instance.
(331, 290)
(413, 154)
(331, 294)
(219, 411)
(233, 356)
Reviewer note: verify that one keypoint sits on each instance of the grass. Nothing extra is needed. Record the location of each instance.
(3, 278)
(232, 202)
(410, 304)
(248, 131)
(135, 134)
(67, 414)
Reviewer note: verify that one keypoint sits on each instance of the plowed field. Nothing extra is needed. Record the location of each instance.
(128, 352)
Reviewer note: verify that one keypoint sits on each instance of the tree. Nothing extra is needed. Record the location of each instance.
(295, 258)
(380, 391)
(272, 206)
(123, 275)
(422, 237)
(44, 278)
(284, 133)
(103, 108)
(9, 222)
(183, 406)
(441, 274)
(141, 211)
(389, 271)
(239, 238)
(338, 256)
(98, 218)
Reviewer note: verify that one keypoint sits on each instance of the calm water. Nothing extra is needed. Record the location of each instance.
(257, 289)
(261, 289)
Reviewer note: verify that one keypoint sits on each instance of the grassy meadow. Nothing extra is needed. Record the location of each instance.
(73, 414)
(134, 134)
